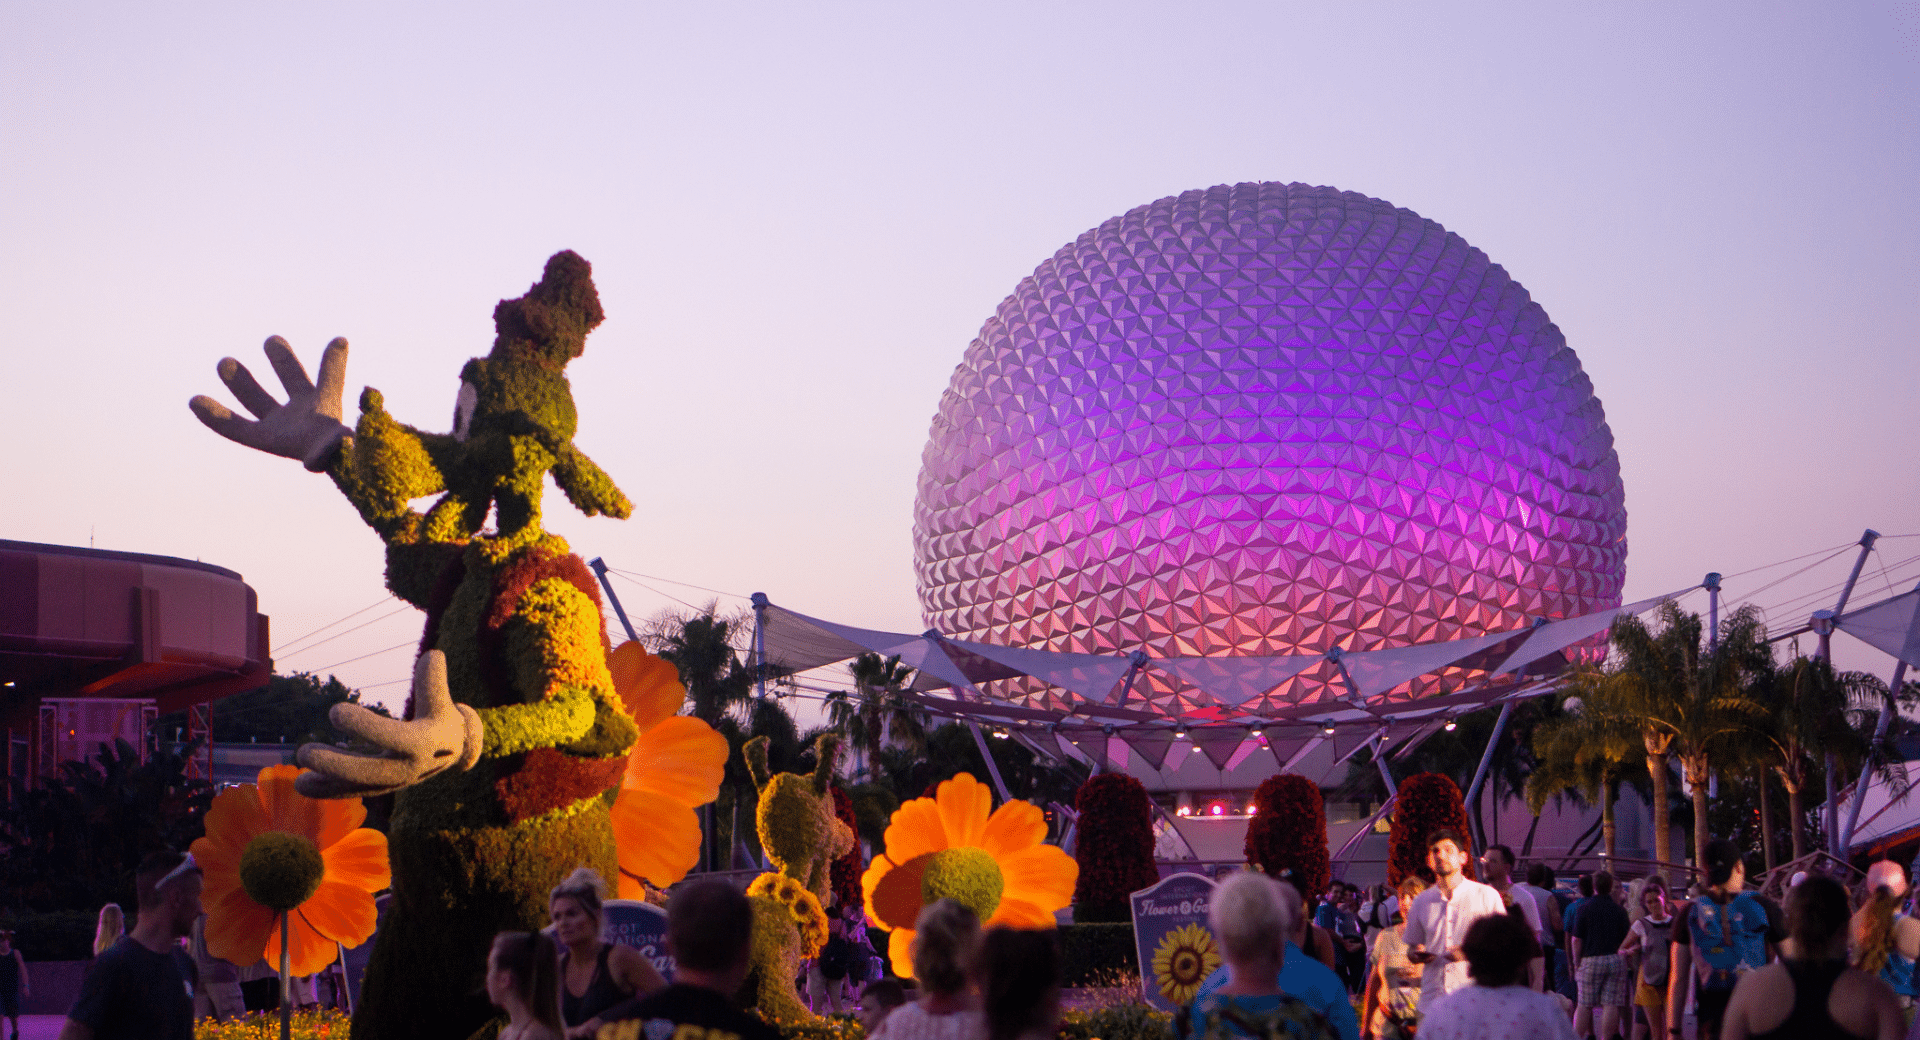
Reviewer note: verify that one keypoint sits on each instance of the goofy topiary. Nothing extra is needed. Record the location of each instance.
(514, 736)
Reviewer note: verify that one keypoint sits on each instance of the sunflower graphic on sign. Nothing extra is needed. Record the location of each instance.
(1184, 958)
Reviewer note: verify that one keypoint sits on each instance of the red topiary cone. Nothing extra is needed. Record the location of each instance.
(1428, 802)
(1114, 847)
(1288, 834)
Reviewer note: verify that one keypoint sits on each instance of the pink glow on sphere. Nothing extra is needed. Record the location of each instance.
(1265, 419)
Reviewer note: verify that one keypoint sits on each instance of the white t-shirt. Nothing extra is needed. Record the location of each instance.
(1505, 1013)
(1440, 923)
(1542, 902)
(910, 1021)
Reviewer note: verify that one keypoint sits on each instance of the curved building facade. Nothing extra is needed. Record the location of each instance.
(1265, 419)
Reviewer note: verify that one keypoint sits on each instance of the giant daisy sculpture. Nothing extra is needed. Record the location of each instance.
(674, 768)
(282, 868)
(950, 847)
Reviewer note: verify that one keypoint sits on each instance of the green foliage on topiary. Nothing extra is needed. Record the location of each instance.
(1287, 836)
(1428, 802)
(1114, 847)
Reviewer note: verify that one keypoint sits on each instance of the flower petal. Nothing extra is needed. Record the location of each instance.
(964, 805)
(657, 838)
(900, 951)
(237, 927)
(359, 859)
(915, 830)
(234, 819)
(341, 913)
(1041, 875)
(287, 809)
(310, 950)
(338, 818)
(649, 685)
(892, 890)
(1014, 826)
(1018, 913)
(682, 758)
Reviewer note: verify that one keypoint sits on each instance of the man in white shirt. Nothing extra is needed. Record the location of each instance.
(1438, 919)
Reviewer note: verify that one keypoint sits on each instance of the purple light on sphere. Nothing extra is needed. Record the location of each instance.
(1265, 419)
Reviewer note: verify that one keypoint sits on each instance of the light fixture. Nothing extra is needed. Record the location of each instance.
(1183, 811)
(1451, 726)
(1216, 809)
(1179, 732)
(1327, 729)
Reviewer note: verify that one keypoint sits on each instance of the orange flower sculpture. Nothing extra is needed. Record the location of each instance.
(675, 767)
(270, 848)
(949, 847)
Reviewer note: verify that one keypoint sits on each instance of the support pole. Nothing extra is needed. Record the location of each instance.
(760, 604)
(1823, 625)
(1386, 775)
(1486, 760)
(600, 570)
(993, 768)
(1879, 734)
(1712, 584)
(1135, 661)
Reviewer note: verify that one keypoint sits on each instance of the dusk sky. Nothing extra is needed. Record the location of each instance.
(800, 215)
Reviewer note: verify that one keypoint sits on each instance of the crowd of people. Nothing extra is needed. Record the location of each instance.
(1456, 959)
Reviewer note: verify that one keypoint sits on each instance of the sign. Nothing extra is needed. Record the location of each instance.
(1177, 950)
(640, 925)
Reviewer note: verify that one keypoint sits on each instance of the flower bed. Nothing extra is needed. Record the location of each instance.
(265, 1025)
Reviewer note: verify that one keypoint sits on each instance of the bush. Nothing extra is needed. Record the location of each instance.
(265, 1025)
(1133, 1021)
(1428, 802)
(56, 935)
(1288, 834)
(1114, 847)
(1090, 954)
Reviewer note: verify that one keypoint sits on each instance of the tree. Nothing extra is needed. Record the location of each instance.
(1585, 752)
(73, 841)
(289, 709)
(873, 712)
(1687, 700)
(1813, 710)
(700, 645)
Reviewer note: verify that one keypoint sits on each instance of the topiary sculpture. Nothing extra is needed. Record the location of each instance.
(1427, 802)
(1114, 847)
(1288, 834)
(513, 735)
(801, 836)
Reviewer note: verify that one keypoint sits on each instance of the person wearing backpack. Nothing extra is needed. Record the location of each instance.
(1648, 940)
(1718, 937)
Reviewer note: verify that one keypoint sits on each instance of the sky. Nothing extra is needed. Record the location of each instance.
(800, 215)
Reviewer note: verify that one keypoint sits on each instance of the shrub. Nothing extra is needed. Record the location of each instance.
(1114, 847)
(1428, 802)
(1091, 954)
(1132, 1021)
(1288, 834)
(313, 1024)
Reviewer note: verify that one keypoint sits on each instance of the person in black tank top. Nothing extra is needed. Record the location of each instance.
(1813, 994)
(618, 973)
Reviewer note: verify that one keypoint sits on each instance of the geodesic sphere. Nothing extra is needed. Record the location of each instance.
(1266, 419)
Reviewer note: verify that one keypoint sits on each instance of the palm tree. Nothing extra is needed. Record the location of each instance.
(1587, 752)
(873, 712)
(1812, 709)
(1687, 701)
(701, 646)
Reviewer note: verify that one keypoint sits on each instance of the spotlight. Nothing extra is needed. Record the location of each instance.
(1183, 811)
(1327, 729)
(1216, 809)
(1179, 732)
(1451, 726)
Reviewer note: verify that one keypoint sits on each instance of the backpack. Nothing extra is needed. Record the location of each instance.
(1727, 940)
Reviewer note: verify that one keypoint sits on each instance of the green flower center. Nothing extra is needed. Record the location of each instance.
(968, 876)
(280, 870)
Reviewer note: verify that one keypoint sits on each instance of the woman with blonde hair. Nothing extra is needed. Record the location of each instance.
(113, 923)
(523, 980)
(944, 937)
(595, 975)
(1390, 1004)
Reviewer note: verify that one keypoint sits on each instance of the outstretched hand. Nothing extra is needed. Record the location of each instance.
(442, 735)
(307, 427)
